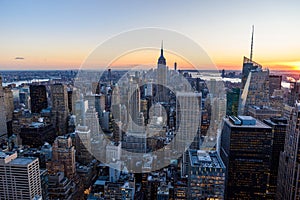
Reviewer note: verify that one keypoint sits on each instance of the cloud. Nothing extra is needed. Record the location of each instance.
(19, 58)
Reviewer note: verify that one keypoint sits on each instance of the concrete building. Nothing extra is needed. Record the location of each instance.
(162, 71)
(256, 88)
(275, 83)
(83, 144)
(263, 112)
(60, 108)
(60, 187)
(246, 150)
(19, 177)
(36, 134)
(38, 98)
(288, 185)
(63, 157)
(279, 129)
(206, 175)
(3, 127)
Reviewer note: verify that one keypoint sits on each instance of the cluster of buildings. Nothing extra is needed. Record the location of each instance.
(156, 134)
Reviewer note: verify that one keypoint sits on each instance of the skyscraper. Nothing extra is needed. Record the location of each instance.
(59, 97)
(134, 105)
(256, 89)
(63, 157)
(161, 77)
(233, 98)
(38, 98)
(188, 120)
(275, 83)
(9, 103)
(288, 186)
(279, 129)
(19, 177)
(3, 127)
(206, 175)
(246, 146)
(83, 144)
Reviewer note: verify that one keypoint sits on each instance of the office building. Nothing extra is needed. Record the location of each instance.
(19, 177)
(256, 89)
(263, 112)
(233, 98)
(288, 186)
(294, 93)
(60, 187)
(63, 157)
(36, 134)
(3, 126)
(60, 108)
(9, 103)
(275, 83)
(162, 71)
(38, 98)
(246, 147)
(83, 145)
(188, 123)
(206, 175)
(279, 129)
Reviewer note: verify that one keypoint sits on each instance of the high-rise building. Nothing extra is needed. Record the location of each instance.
(162, 71)
(233, 98)
(206, 175)
(255, 90)
(294, 93)
(275, 83)
(70, 100)
(188, 123)
(60, 107)
(3, 127)
(92, 121)
(134, 106)
(9, 103)
(83, 144)
(279, 130)
(288, 186)
(61, 187)
(248, 66)
(63, 157)
(36, 134)
(246, 147)
(19, 177)
(38, 98)
(263, 112)
(80, 108)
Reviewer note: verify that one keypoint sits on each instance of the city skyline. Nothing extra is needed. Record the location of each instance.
(61, 35)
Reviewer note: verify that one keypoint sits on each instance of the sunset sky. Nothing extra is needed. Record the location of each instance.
(61, 34)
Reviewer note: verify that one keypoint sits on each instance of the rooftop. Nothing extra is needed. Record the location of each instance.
(205, 159)
(22, 161)
(245, 122)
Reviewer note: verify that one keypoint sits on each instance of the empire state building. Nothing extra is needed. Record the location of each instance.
(161, 77)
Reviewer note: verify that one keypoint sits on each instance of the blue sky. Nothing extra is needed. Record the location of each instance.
(59, 34)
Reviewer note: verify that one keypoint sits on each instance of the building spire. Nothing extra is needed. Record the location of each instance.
(161, 59)
(251, 51)
(162, 48)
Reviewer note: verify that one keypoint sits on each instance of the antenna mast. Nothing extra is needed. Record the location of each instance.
(251, 52)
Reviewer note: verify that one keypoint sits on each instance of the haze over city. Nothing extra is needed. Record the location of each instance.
(60, 35)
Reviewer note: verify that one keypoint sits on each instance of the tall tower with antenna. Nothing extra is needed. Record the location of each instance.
(251, 51)
(249, 64)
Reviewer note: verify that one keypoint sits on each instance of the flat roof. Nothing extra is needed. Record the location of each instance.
(22, 161)
(258, 123)
(208, 159)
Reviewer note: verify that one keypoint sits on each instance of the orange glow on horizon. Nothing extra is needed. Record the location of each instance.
(146, 58)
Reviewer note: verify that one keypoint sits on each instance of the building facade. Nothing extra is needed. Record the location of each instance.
(246, 146)
(19, 177)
